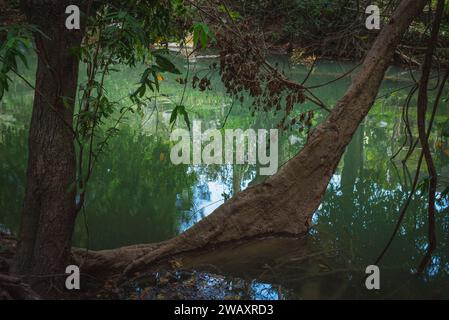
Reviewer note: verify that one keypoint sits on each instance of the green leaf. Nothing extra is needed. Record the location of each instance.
(141, 91)
(174, 115)
(145, 75)
(179, 109)
(166, 64)
(156, 80)
(202, 34)
(186, 119)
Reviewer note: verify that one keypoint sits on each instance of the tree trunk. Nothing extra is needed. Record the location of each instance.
(49, 208)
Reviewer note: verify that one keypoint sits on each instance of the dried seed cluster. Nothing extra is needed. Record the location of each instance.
(244, 70)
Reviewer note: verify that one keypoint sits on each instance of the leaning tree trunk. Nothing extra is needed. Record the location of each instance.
(284, 203)
(49, 209)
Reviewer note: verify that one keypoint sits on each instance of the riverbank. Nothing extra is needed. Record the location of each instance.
(190, 277)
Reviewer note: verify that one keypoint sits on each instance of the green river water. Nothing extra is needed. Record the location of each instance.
(137, 195)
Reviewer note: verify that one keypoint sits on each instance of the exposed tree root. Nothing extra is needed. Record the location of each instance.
(423, 138)
(12, 288)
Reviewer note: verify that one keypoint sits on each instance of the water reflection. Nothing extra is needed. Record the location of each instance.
(195, 286)
(135, 189)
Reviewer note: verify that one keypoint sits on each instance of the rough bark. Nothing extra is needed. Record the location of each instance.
(284, 203)
(49, 208)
